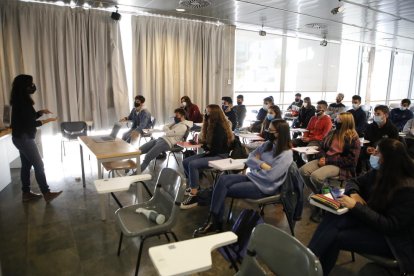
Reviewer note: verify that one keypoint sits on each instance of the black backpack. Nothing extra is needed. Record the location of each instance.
(237, 150)
(242, 227)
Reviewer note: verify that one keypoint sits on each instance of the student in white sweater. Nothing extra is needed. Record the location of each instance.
(173, 133)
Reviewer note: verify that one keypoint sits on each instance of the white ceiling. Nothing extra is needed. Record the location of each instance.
(388, 23)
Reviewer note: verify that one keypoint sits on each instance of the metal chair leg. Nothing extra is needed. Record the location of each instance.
(166, 236)
(120, 244)
(141, 245)
(231, 208)
(174, 236)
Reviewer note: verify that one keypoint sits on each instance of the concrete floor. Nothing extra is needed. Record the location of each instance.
(67, 237)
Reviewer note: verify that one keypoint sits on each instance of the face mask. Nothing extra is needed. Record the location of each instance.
(297, 100)
(270, 117)
(305, 105)
(355, 106)
(374, 162)
(271, 137)
(338, 125)
(137, 104)
(403, 108)
(32, 89)
(378, 119)
(318, 112)
(265, 107)
(239, 103)
(184, 104)
(224, 107)
(177, 120)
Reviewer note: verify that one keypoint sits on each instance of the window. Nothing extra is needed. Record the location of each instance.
(379, 78)
(401, 76)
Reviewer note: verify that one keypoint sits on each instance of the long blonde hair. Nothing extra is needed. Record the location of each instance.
(347, 130)
(216, 116)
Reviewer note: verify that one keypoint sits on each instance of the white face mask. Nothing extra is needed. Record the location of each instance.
(184, 104)
(265, 107)
(403, 108)
(355, 106)
(305, 104)
(378, 119)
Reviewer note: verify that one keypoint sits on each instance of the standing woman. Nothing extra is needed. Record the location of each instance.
(216, 137)
(24, 124)
(192, 112)
(380, 220)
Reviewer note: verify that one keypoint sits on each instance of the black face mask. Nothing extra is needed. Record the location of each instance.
(31, 89)
(318, 112)
(177, 120)
(338, 125)
(271, 137)
(239, 103)
(137, 104)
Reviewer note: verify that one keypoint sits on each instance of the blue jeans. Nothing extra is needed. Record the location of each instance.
(232, 185)
(344, 232)
(152, 149)
(30, 156)
(192, 166)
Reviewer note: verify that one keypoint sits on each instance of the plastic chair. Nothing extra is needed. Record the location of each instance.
(280, 252)
(70, 132)
(166, 200)
(147, 135)
(177, 149)
(278, 198)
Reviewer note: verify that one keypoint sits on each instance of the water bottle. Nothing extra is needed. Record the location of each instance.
(325, 188)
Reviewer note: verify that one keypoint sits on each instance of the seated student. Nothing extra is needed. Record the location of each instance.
(216, 137)
(293, 108)
(400, 115)
(337, 107)
(240, 110)
(408, 130)
(227, 106)
(318, 127)
(174, 133)
(306, 112)
(380, 128)
(381, 218)
(140, 117)
(192, 112)
(360, 117)
(269, 165)
(338, 153)
(255, 127)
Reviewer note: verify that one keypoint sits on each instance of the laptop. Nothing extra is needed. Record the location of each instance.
(108, 138)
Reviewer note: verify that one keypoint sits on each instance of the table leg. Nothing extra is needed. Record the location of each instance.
(139, 195)
(82, 165)
(103, 202)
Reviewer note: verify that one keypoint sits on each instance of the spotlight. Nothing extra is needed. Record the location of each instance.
(324, 43)
(337, 10)
(115, 15)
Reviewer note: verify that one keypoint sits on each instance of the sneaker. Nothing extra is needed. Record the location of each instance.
(187, 191)
(190, 202)
(49, 196)
(30, 196)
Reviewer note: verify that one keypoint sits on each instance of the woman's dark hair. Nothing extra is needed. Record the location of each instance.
(283, 141)
(180, 111)
(19, 92)
(187, 100)
(396, 172)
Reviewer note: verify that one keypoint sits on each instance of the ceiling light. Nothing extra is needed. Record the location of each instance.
(115, 15)
(337, 10)
(180, 9)
(316, 26)
(323, 43)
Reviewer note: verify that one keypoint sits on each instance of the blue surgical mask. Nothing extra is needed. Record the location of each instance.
(265, 107)
(270, 117)
(403, 108)
(374, 162)
(378, 119)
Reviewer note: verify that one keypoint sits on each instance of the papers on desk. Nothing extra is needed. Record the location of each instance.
(228, 164)
(299, 130)
(307, 150)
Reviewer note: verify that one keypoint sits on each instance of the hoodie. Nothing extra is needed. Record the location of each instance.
(174, 133)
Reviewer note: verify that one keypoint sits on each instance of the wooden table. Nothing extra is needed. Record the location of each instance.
(106, 152)
(190, 256)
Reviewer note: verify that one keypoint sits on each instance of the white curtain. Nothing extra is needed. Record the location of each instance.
(74, 55)
(176, 57)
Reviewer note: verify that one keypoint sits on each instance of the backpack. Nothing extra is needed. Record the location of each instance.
(237, 150)
(242, 227)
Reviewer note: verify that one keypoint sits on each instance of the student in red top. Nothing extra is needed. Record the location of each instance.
(318, 127)
(192, 112)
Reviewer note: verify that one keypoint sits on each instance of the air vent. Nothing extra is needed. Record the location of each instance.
(194, 4)
(316, 26)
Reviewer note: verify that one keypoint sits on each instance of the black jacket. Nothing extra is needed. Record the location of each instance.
(218, 144)
(373, 133)
(232, 116)
(24, 120)
(305, 114)
(360, 118)
(396, 223)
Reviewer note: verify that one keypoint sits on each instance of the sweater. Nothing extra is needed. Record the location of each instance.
(269, 181)
(396, 222)
(318, 128)
(24, 120)
(400, 117)
(218, 145)
(174, 133)
(373, 133)
(193, 114)
(360, 118)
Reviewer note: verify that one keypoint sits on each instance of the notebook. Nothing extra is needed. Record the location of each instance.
(327, 203)
(108, 138)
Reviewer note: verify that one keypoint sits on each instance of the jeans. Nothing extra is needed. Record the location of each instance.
(192, 166)
(344, 232)
(232, 185)
(30, 156)
(314, 175)
(152, 149)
